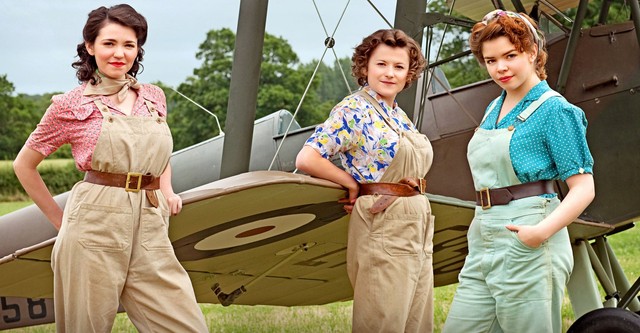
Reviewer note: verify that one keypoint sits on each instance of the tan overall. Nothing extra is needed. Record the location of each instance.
(389, 254)
(113, 246)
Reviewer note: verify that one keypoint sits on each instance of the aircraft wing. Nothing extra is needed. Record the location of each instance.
(280, 236)
(476, 10)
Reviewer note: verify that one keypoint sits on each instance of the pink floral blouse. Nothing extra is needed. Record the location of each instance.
(75, 119)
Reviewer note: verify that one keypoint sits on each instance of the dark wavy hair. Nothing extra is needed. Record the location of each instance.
(393, 38)
(518, 33)
(122, 14)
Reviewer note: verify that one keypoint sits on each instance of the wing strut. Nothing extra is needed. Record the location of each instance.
(228, 299)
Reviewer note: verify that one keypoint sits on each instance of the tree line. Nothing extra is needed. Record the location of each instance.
(283, 79)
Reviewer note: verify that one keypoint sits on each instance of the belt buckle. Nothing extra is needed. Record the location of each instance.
(422, 185)
(482, 203)
(129, 176)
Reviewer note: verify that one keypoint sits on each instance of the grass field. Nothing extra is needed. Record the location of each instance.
(336, 317)
(45, 162)
(7, 207)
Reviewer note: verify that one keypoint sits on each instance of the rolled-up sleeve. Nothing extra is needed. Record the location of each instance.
(50, 133)
(567, 143)
(335, 135)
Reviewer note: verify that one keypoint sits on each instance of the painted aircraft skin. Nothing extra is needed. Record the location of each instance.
(242, 243)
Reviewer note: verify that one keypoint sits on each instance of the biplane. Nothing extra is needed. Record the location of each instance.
(253, 231)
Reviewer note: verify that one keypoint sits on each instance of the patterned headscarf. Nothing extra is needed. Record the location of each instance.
(505, 13)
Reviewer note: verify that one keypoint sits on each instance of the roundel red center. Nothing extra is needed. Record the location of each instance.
(255, 231)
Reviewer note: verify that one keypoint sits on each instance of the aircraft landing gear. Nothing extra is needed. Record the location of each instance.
(607, 320)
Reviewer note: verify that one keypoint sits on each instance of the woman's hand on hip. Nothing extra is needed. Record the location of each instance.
(349, 202)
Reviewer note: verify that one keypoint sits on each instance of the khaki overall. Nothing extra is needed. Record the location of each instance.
(505, 285)
(389, 254)
(113, 246)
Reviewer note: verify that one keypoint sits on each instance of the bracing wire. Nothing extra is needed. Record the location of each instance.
(308, 84)
(203, 108)
(329, 42)
(432, 76)
(379, 13)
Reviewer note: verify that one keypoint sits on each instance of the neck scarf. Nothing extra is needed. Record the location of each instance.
(107, 86)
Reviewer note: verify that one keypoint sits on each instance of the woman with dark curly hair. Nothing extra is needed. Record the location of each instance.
(385, 160)
(113, 246)
(520, 257)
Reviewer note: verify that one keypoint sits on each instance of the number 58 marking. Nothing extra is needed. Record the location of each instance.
(11, 312)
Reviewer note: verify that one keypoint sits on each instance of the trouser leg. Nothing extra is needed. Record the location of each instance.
(474, 307)
(535, 279)
(562, 265)
(158, 294)
(421, 310)
(89, 268)
(390, 271)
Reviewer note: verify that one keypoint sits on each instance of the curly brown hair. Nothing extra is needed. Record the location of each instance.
(393, 38)
(122, 14)
(518, 33)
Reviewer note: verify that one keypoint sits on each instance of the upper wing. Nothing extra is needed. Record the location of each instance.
(476, 10)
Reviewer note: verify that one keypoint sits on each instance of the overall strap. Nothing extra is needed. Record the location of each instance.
(103, 108)
(536, 104)
(528, 111)
(372, 101)
(152, 108)
(489, 109)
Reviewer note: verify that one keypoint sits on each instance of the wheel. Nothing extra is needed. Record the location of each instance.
(607, 320)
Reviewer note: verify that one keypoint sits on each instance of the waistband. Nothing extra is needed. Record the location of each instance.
(131, 182)
(486, 198)
(389, 192)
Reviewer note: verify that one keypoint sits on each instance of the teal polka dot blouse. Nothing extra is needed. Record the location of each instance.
(551, 143)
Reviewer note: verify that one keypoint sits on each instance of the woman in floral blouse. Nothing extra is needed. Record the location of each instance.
(384, 160)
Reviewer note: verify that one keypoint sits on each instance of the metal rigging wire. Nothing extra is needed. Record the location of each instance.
(431, 76)
(328, 45)
(379, 13)
(201, 107)
(329, 42)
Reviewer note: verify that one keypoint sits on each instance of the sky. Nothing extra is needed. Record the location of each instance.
(38, 38)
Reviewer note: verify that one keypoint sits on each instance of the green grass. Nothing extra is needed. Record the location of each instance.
(47, 161)
(336, 317)
(8, 207)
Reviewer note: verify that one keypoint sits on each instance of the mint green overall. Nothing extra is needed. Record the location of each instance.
(505, 285)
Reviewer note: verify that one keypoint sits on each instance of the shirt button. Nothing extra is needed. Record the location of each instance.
(581, 170)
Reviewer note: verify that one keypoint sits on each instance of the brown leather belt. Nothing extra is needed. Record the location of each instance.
(486, 198)
(407, 187)
(389, 192)
(131, 182)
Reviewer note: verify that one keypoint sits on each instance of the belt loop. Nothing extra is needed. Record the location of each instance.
(422, 184)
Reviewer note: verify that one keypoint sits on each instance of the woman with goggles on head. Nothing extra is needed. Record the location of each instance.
(520, 256)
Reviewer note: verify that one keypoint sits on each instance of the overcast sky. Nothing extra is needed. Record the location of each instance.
(38, 38)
